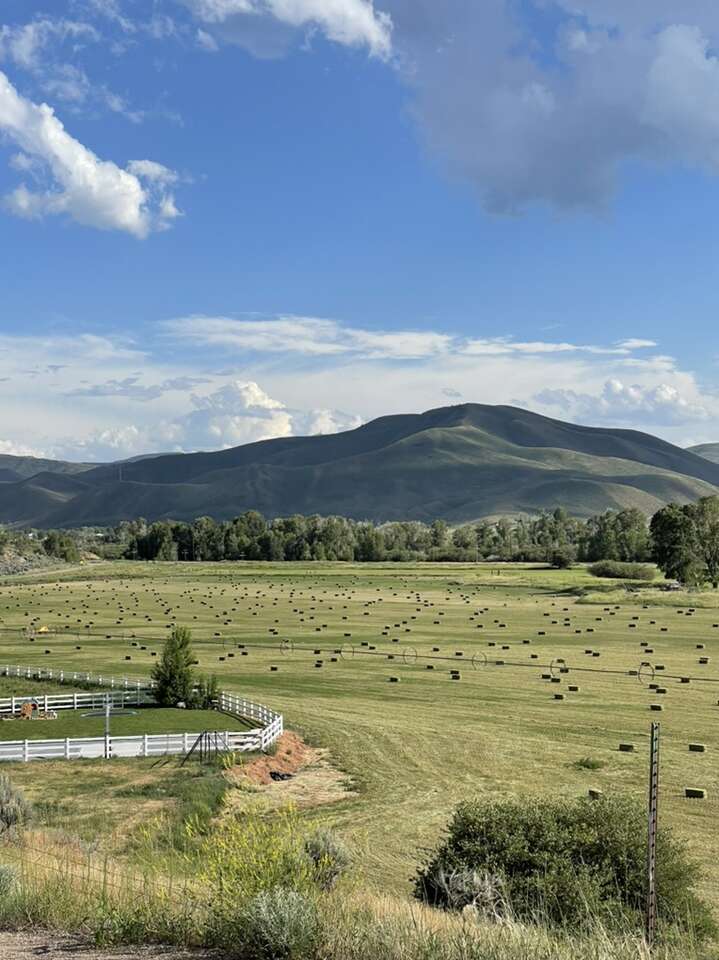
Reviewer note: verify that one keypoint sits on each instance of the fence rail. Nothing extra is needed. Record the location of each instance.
(124, 693)
(11, 706)
(144, 745)
(77, 676)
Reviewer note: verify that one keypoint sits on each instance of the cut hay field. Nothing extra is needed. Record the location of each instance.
(416, 747)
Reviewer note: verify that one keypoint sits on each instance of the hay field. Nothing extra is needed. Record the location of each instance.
(412, 749)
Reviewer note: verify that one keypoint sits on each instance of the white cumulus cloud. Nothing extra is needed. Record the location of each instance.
(662, 404)
(93, 192)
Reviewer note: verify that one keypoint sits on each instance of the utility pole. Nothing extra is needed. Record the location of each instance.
(651, 918)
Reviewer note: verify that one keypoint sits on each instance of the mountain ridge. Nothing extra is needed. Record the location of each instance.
(456, 463)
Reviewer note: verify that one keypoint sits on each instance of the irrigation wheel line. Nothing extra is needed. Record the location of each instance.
(641, 673)
(346, 654)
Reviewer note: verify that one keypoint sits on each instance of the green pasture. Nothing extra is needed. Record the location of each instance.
(413, 748)
(76, 723)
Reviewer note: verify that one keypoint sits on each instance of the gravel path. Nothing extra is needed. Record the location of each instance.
(30, 946)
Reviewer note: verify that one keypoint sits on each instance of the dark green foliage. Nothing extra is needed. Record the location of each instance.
(563, 557)
(686, 541)
(62, 546)
(622, 536)
(569, 861)
(622, 571)
(554, 538)
(205, 694)
(15, 810)
(173, 673)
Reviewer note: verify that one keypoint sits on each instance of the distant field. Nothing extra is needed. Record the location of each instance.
(415, 748)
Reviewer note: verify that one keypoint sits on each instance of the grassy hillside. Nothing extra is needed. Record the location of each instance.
(458, 463)
(710, 451)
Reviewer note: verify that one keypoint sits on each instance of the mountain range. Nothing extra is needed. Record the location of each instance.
(457, 463)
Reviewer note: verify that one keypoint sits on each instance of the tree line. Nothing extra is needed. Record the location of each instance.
(553, 537)
(682, 539)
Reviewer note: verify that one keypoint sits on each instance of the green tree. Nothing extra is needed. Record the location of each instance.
(173, 674)
(675, 549)
(62, 546)
(704, 516)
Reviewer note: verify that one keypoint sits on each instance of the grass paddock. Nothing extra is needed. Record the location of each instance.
(151, 720)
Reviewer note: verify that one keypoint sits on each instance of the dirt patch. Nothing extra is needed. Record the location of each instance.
(312, 777)
(290, 756)
(53, 946)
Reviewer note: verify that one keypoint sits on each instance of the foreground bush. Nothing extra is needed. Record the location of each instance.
(616, 570)
(277, 924)
(15, 810)
(571, 862)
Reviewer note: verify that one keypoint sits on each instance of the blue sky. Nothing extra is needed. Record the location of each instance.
(225, 220)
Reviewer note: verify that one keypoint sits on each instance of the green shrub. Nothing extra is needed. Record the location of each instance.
(570, 861)
(205, 694)
(277, 924)
(15, 810)
(622, 571)
(330, 858)
(562, 558)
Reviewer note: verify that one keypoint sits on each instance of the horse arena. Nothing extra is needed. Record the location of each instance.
(425, 684)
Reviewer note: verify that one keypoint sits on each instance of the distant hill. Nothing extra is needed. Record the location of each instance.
(710, 451)
(21, 468)
(458, 463)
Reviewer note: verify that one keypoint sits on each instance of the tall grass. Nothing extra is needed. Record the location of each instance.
(61, 886)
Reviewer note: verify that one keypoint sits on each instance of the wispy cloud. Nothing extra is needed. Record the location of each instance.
(320, 337)
(353, 23)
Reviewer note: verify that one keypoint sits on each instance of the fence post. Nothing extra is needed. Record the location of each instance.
(13, 706)
(651, 918)
(26, 751)
(67, 748)
(144, 744)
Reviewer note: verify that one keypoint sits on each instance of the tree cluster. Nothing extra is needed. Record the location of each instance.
(686, 541)
(554, 538)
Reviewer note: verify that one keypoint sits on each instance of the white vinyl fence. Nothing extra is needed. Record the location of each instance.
(11, 706)
(270, 724)
(147, 745)
(77, 676)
